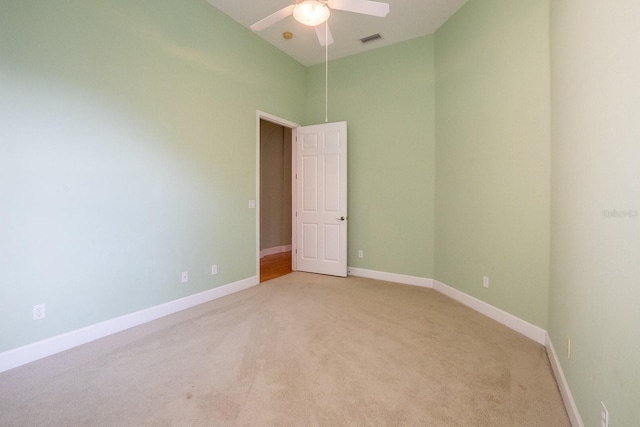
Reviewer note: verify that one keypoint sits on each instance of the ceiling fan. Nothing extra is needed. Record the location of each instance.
(316, 12)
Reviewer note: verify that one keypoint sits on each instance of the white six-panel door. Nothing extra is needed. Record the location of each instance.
(321, 193)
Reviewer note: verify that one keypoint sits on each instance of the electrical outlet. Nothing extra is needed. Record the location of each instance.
(485, 281)
(185, 277)
(568, 348)
(604, 415)
(214, 269)
(360, 253)
(38, 312)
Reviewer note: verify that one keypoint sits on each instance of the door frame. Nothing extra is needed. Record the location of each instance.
(261, 115)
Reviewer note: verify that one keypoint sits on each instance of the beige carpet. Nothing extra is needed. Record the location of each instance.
(301, 350)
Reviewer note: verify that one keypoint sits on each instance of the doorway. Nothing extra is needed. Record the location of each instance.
(275, 195)
(318, 195)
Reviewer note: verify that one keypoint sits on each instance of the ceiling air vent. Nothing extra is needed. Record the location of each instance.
(370, 38)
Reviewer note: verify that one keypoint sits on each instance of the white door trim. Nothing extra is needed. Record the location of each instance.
(293, 126)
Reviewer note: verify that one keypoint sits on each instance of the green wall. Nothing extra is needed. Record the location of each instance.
(127, 155)
(492, 154)
(595, 240)
(387, 97)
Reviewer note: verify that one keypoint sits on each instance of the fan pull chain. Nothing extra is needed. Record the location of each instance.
(326, 72)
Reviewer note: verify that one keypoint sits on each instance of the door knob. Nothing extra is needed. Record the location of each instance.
(341, 218)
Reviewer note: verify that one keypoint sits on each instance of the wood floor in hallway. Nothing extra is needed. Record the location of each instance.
(272, 266)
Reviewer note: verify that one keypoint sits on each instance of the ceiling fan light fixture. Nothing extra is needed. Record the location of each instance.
(311, 12)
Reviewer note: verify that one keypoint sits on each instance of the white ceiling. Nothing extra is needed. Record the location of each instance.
(407, 19)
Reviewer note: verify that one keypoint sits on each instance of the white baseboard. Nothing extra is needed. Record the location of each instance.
(565, 391)
(274, 250)
(38, 350)
(527, 329)
(391, 277)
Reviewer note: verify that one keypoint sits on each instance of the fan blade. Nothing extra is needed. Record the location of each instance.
(324, 34)
(273, 18)
(373, 8)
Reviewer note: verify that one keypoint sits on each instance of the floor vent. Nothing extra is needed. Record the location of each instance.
(370, 38)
